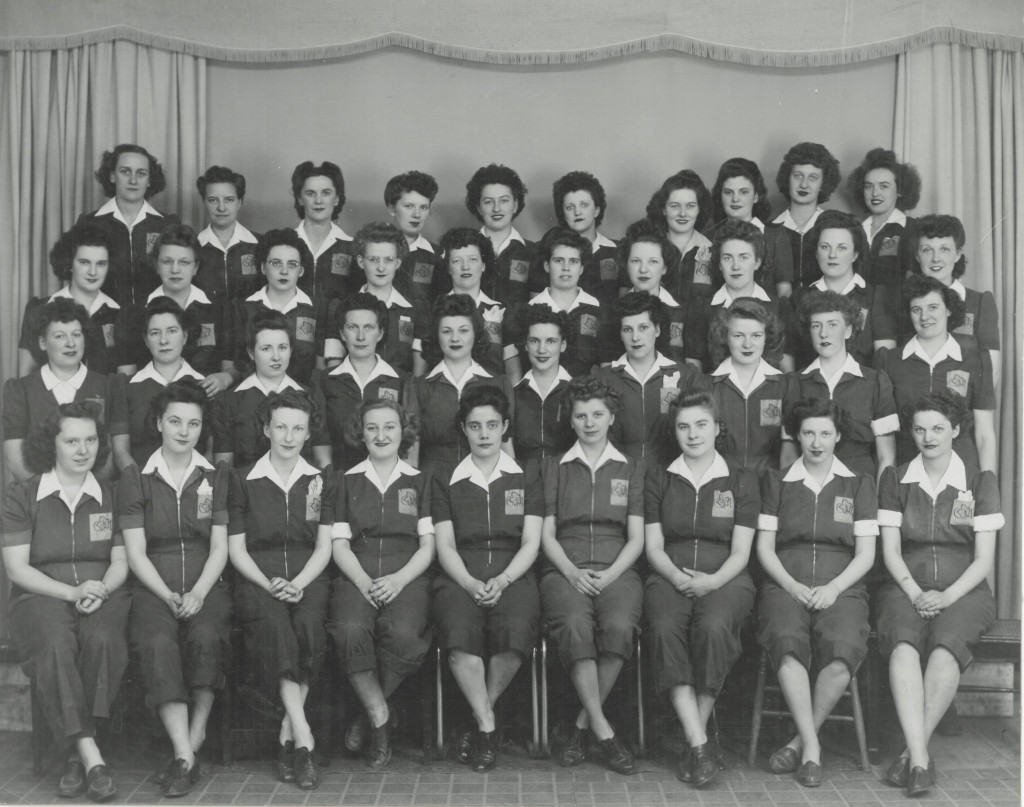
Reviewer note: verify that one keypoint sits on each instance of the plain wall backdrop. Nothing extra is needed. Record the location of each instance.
(630, 121)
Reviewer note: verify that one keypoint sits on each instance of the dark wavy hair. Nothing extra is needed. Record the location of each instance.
(917, 286)
(39, 451)
(578, 181)
(741, 167)
(637, 302)
(267, 321)
(286, 237)
(540, 314)
(744, 308)
(454, 305)
(494, 174)
(810, 154)
(908, 181)
(736, 230)
(304, 171)
(380, 232)
(483, 395)
(825, 302)
(165, 305)
(364, 301)
(108, 165)
(645, 231)
(302, 400)
(62, 310)
(462, 237)
(665, 437)
(177, 235)
(587, 388)
(794, 413)
(680, 181)
(838, 220)
(941, 226)
(950, 406)
(65, 248)
(562, 237)
(353, 433)
(409, 182)
(219, 173)
(185, 390)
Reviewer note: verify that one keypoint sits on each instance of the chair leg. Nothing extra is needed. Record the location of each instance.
(438, 672)
(858, 724)
(641, 728)
(227, 704)
(873, 683)
(545, 744)
(536, 748)
(755, 718)
(38, 730)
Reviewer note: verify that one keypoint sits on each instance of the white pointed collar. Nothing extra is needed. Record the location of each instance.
(582, 298)
(149, 373)
(723, 298)
(195, 295)
(366, 468)
(955, 475)
(98, 303)
(467, 469)
(240, 236)
(264, 469)
(300, 298)
(716, 470)
(157, 465)
(253, 382)
(610, 454)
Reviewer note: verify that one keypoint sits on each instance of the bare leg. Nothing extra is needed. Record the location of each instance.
(907, 684)
(941, 679)
(89, 752)
(684, 701)
(293, 696)
(593, 681)
(501, 669)
(202, 703)
(705, 705)
(370, 695)
(174, 716)
(469, 675)
(796, 688)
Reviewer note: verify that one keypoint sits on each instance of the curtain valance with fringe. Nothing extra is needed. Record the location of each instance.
(782, 33)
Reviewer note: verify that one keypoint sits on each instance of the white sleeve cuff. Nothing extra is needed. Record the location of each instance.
(867, 526)
(425, 526)
(890, 518)
(341, 531)
(417, 345)
(509, 352)
(886, 425)
(768, 523)
(992, 521)
(333, 349)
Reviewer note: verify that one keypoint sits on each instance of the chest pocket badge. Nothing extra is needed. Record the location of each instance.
(493, 318)
(675, 334)
(204, 500)
(669, 391)
(588, 325)
(702, 266)
(723, 505)
(515, 502)
(518, 271)
(108, 335)
(423, 273)
(609, 269)
(248, 263)
(101, 526)
(207, 335)
(405, 329)
(151, 241)
(958, 381)
(340, 264)
(968, 326)
(890, 246)
(619, 493)
(407, 502)
(386, 393)
(314, 498)
(842, 510)
(863, 318)
(771, 412)
(305, 328)
(962, 514)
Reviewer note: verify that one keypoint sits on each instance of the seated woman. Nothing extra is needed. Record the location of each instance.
(280, 512)
(62, 338)
(174, 516)
(700, 516)
(167, 330)
(580, 204)
(750, 393)
(81, 261)
(383, 542)
(591, 595)
(681, 210)
(816, 541)
(487, 519)
(68, 607)
(318, 195)
(830, 321)
(939, 518)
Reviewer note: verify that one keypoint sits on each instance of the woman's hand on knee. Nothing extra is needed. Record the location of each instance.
(822, 597)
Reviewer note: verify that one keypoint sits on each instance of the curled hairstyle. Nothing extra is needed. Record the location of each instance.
(62, 310)
(736, 230)
(744, 308)
(494, 174)
(942, 226)
(825, 302)
(65, 249)
(796, 412)
(39, 451)
(587, 388)
(462, 237)
(108, 165)
(219, 173)
(267, 321)
(917, 286)
(578, 181)
(410, 425)
(666, 441)
(381, 232)
(454, 305)
(290, 399)
(562, 237)
(364, 301)
(541, 314)
(306, 170)
(409, 182)
(177, 235)
(185, 390)
(645, 231)
(810, 154)
(742, 167)
(286, 237)
(908, 181)
(165, 305)
(637, 302)
(482, 395)
(681, 181)
(950, 406)
(838, 220)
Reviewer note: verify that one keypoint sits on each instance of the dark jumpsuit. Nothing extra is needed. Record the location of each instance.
(600, 276)
(777, 265)
(306, 319)
(406, 322)
(27, 401)
(77, 660)
(672, 340)
(421, 277)
(982, 318)
(282, 640)
(690, 281)
(866, 395)
(591, 508)
(335, 271)
(582, 350)
(510, 281)
(805, 263)
(105, 334)
(540, 426)
(384, 530)
(815, 537)
(487, 518)
(701, 321)
(889, 260)
(695, 642)
(232, 273)
(937, 544)
(176, 656)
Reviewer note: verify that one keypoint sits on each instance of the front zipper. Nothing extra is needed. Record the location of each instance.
(488, 527)
(593, 504)
(181, 541)
(814, 546)
(696, 540)
(287, 523)
(74, 569)
(931, 537)
(380, 541)
(746, 431)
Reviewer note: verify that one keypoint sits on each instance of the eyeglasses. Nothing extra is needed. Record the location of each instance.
(376, 260)
(277, 263)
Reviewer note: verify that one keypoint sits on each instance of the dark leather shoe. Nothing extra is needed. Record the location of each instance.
(785, 760)
(684, 767)
(572, 753)
(379, 753)
(306, 774)
(897, 773)
(704, 764)
(101, 786)
(615, 755)
(163, 773)
(286, 762)
(180, 779)
(358, 733)
(809, 774)
(72, 780)
(920, 780)
(485, 751)
(464, 746)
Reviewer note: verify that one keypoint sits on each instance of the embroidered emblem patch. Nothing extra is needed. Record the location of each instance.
(109, 338)
(207, 335)
(609, 269)
(620, 492)
(842, 510)
(340, 264)
(405, 329)
(204, 500)
(305, 328)
(515, 502)
(101, 526)
(962, 514)
(407, 502)
(151, 241)
(958, 382)
(723, 505)
(518, 271)
(702, 266)
(890, 246)
(248, 264)
(387, 393)
(771, 412)
(588, 325)
(422, 272)
(314, 497)
(675, 334)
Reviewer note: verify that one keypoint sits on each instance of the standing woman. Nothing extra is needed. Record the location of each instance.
(681, 209)
(68, 607)
(487, 518)
(174, 515)
(580, 204)
(816, 541)
(939, 519)
(279, 540)
(318, 193)
(591, 594)
(383, 542)
(129, 176)
(700, 515)
(228, 255)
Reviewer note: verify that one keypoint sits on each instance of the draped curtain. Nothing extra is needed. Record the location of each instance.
(960, 120)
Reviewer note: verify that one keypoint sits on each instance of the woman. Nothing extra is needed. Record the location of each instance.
(681, 209)
(816, 541)
(458, 336)
(487, 519)
(174, 515)
(591, 595)
(279, 540)
(68, 608)
(228, 255)
(167, 330)
(936, 358)
(830, 321)
(81, 260)
(318, 194)
(383, 542)
(700, 515)
(939, 519)
(580, 204)
(749, 391)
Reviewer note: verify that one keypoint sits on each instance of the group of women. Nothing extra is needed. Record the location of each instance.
(329, 435)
